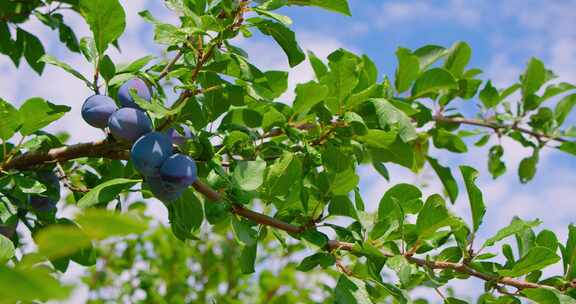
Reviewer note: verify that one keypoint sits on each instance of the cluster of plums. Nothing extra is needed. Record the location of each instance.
(167, 173)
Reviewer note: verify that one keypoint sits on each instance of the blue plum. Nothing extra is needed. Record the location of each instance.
(52, 183)
(150, 151)
(97, 109)
(179, 169)
(41, 203)
(178, 138)
(129, 124)
(141, 89)
(163, 190)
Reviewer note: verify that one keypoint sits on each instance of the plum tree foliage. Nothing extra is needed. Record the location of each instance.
(229, 143)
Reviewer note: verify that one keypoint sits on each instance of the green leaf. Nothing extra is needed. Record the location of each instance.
(33, 50)
(547, 296)
(407, 71)
(58, 241)
(527, 168)
(283, 174)
(6, 249)
(101, 224)
(378, 138)
(37, 113)
(55, 62)
(107, 68)
(338, 6)
(474, 195)
(390, 116)
(537, 258)
(458, 57)
(447, 179)
(489, 95)
(308, 95)
(250, 174)
(185, 215)
(534, 77)
(398, 152)
(135, 65)
(284, 37)
(445, 140)
(569, 254)
(398, 200)
(10, 118)
(548, 239)
(433, 81)
(342, 205)
(321, 259)
(433, 216)
(280, 18)
(30, 284)
(429, 54)
(106, 19)
(495, 165)
(318, 66)
(517, 225)
(344, 182)
(342, 79)
(88, 48)
(564, 107)
(350, 290)
(248, 258)
(106, 191)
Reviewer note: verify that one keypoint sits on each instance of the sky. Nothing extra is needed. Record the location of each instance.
(503, 35)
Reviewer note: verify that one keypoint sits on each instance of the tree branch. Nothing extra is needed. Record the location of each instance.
(458, 267)
(496, 127)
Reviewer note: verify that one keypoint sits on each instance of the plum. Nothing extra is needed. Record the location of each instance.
(52, 183)
(178, 138)
(179, 169)
(150, 151)
(8, 230)
(164, 190)
(129, 124)
(97, 109)
(141, 89)
(41, 203)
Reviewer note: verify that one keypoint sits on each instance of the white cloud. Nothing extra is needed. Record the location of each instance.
(393, 13)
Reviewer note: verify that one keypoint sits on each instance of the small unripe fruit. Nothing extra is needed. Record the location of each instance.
(97, 109)
(150, 151)
(141, 89)
(163, 190)
(129, 124)
(179, 169)
(178, 138)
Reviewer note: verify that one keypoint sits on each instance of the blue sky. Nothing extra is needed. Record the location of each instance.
(503, 35)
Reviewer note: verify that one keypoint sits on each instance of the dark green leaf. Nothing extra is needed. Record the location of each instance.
(533, 78)
(474, 195)
(516, 226)
(537, 258)
(446, 178)
(250, 174)
(106, 191)
(434, 81)
(36, 113)
(285, 38)
(338, 6)
(10, 118)
(407, 70)
(106, 19)
(53, 61)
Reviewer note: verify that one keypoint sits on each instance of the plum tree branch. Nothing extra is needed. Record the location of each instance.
(458, 267)
(110, 149)
(497, 126)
